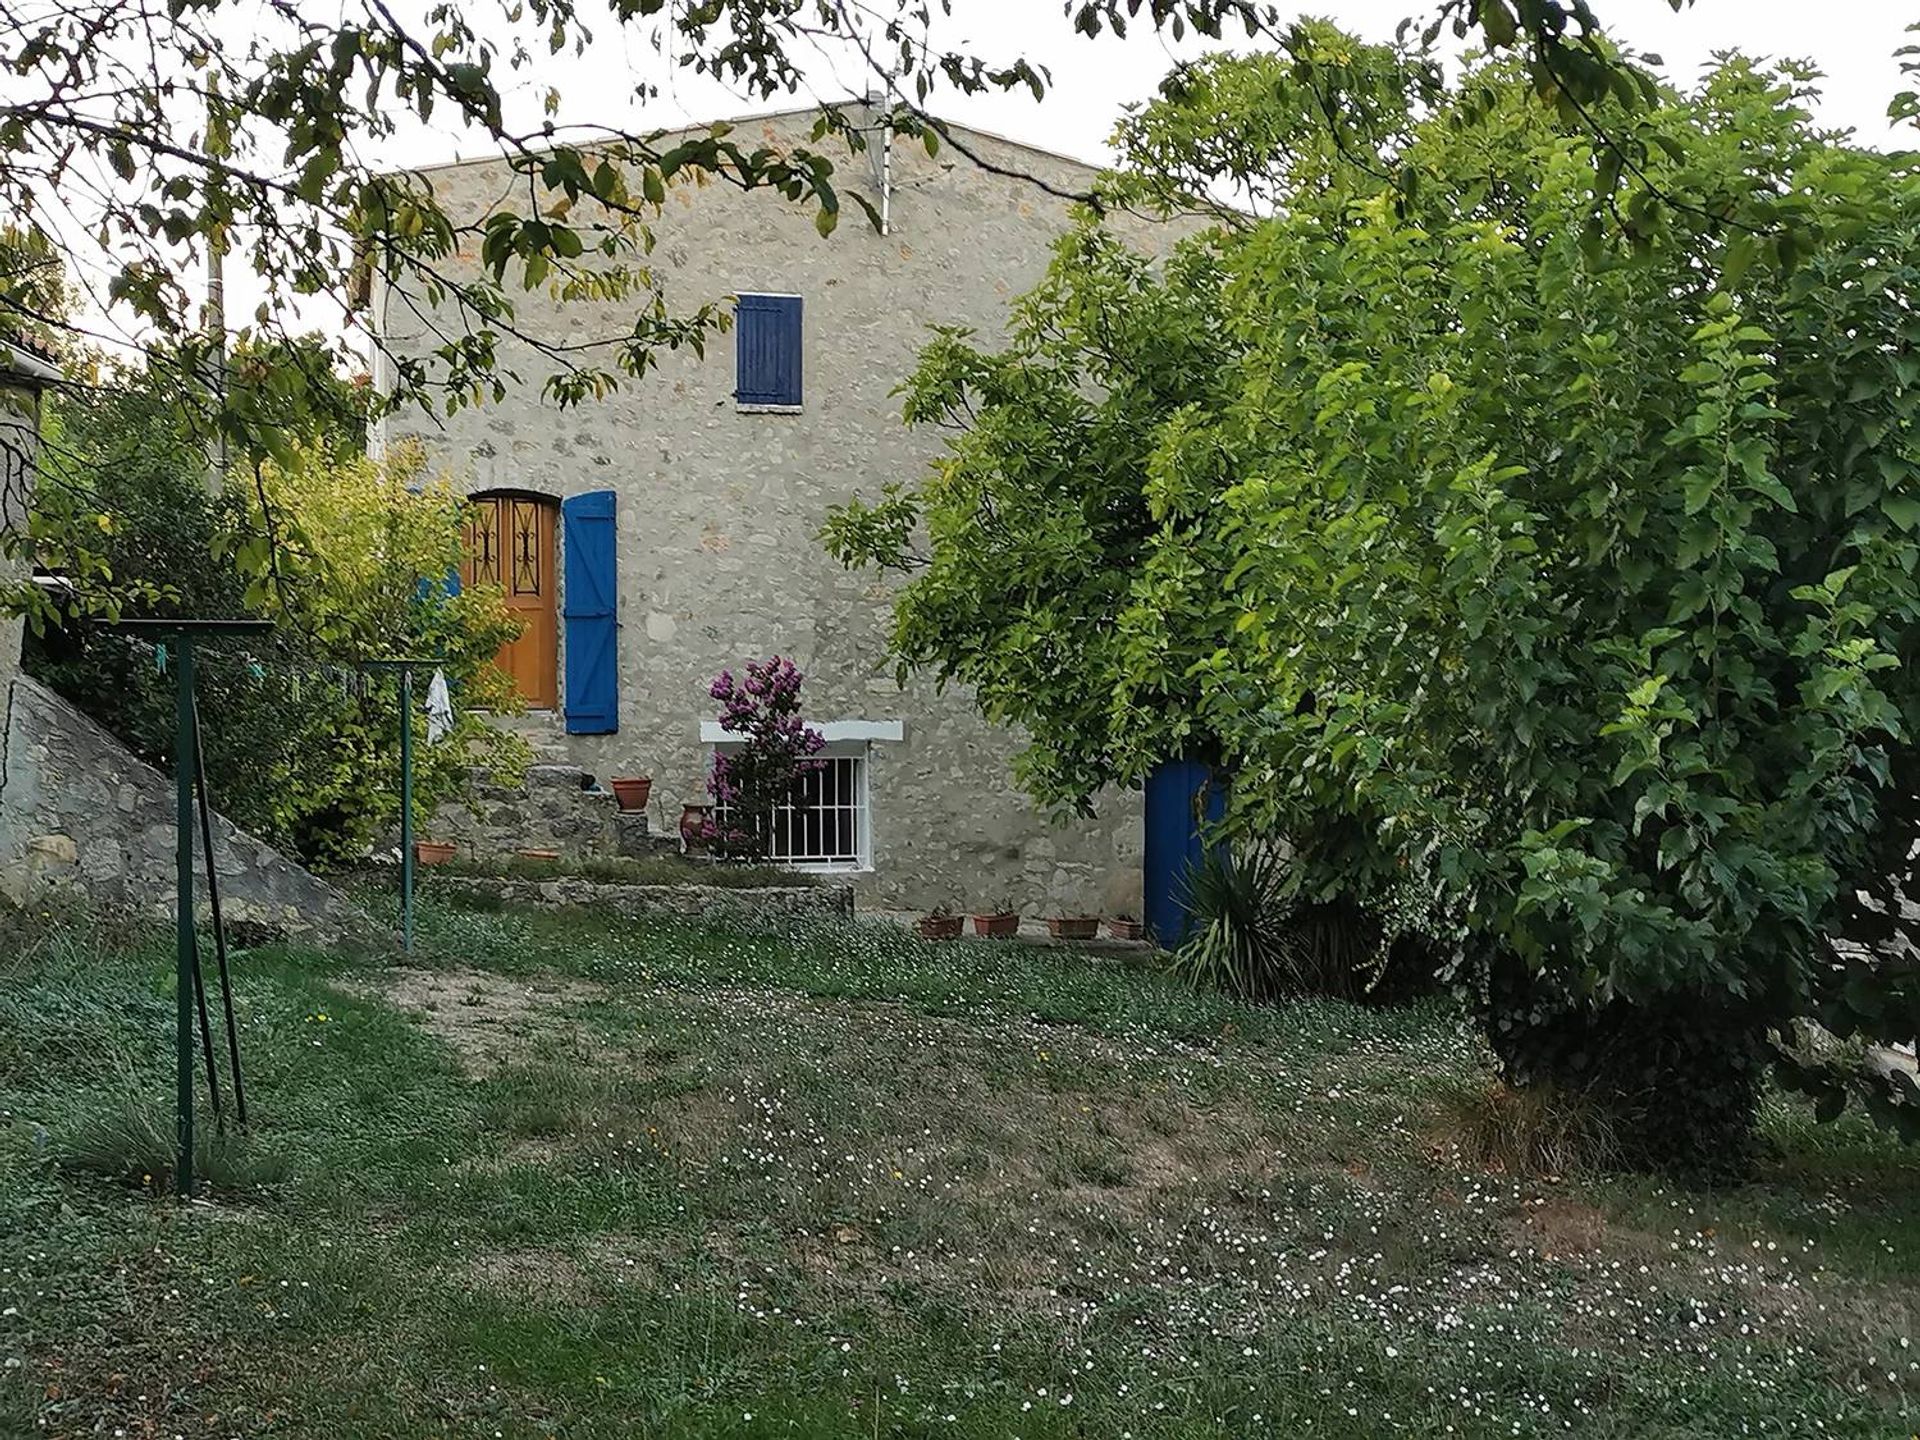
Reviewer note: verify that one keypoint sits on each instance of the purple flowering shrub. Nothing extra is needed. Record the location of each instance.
(762, 708)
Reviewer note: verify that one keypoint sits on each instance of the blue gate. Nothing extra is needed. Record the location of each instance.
(1184, 797)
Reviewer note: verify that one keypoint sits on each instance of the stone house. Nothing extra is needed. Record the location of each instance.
(668, 531)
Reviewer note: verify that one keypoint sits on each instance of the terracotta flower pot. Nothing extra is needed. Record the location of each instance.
(695, 827)
(939, 927)
(997, 926)
(1127, 929)
(1073, 927)
(433, 852)
(633, 792)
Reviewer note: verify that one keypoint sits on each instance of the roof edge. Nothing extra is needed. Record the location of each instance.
(1092, 167)
(20, 363)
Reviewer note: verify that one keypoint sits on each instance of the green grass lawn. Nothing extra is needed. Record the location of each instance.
(575, 1176)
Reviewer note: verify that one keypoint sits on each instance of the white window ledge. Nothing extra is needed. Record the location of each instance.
(837, 732)
(754, 407)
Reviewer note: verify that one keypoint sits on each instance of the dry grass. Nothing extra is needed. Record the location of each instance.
(1538, 1131)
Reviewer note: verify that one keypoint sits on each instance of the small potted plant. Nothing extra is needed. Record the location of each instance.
(1124, 927)
(1002, 920)
(1073, 927)
(433, 852)
(939, 923)
(631, 792)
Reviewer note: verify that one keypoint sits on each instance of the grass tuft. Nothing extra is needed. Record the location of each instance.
(1537, 1130)
(128, 1138)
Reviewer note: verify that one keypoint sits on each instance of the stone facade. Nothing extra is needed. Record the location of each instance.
(79, 814)
(718, 507)
(22, 378)
(697, 902)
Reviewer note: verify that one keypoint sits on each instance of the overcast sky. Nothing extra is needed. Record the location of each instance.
(1852, 41)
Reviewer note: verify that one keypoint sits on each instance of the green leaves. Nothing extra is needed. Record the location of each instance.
(1572, 584)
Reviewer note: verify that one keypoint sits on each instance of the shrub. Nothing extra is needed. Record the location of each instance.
(1532, 1130)
(300, 750)
(750, 781)
(127, 1137)
(1260, 940)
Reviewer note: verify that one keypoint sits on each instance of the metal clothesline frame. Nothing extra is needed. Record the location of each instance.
(404, 666)
(189, 769)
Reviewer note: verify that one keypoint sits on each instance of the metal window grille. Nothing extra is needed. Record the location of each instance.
(824, 823)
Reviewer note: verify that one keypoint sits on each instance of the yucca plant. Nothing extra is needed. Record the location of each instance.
(1260, 940)
(1241, 905)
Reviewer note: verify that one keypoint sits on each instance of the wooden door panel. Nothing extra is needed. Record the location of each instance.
(510, 546)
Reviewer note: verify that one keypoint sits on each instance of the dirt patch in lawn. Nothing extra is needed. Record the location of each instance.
(541, 1273)
(489, 1020)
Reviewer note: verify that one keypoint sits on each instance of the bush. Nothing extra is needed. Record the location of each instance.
(127, 1137)
(1260, 941)
(1679, 1083)
(751, 781)
(1532, 1130)
(300, 749)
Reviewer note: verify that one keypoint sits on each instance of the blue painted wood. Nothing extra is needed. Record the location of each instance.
(1183, 799)
(592, 615)
(427, 588)
(766, 346)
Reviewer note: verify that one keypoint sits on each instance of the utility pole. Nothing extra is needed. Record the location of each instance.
(216, 313)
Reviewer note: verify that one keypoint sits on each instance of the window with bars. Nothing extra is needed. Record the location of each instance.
(824, 824)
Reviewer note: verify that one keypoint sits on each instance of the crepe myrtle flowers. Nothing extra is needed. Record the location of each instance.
(775, 749)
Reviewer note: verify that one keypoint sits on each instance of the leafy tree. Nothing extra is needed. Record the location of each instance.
(299, 749)
(1563, 570)
(141, 139)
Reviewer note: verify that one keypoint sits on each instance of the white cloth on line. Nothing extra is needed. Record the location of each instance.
(439, 708)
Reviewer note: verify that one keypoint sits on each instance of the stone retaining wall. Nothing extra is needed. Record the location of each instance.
(833, 901)
(555, 807)
(81, 814)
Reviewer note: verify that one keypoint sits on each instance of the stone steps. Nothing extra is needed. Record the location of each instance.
(556, 806)
(542, 730)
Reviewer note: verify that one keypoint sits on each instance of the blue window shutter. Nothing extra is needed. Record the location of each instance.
(767, 350)
(592, 615)
(426, 590)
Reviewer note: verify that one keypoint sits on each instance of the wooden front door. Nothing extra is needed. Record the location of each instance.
(509, 545)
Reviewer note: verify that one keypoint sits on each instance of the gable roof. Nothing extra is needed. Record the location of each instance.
(23, 365)
(798, 112)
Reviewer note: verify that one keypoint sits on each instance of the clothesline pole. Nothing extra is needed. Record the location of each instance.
(404, 666)
(186, 944)
(406, 809)
(187, 977)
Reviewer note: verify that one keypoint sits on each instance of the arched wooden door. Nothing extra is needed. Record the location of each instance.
(509, 545)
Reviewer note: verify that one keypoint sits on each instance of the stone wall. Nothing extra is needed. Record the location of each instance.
(717, 508)
(785, 902)
(19, 447)
(79, 814)
(552, 808)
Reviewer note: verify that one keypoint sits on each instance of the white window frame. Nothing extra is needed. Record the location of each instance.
(846, 740)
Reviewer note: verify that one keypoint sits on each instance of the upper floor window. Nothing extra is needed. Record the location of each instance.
(766, 344)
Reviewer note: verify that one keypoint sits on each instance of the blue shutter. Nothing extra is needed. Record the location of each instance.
(426, 589)
(767, 350)
(593, 624)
